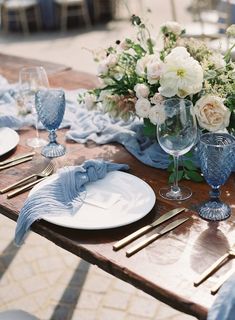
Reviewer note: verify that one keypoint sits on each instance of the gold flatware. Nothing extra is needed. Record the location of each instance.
(221, 281)
(24, 188)
(155, 236)
(44, 173)
(216, 265)
(19, 157)
(15, 163)
(166, 216)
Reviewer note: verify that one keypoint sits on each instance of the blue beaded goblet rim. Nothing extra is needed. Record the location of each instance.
(223, 136)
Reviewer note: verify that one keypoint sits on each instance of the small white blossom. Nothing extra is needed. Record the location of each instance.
(142, 107)
(157, 98)
(157, 114)
(217, 60)
(211, 113)
(124, 45)
(173, 26)
(103, 67)
(112, 60)
(89, 100)
(231, 31)
(141, 65)
(155, 69)
(141, 90)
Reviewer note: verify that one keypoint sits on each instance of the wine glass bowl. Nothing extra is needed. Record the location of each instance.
(32, 79)
(50, 106)
(217, 158)
(176, 134)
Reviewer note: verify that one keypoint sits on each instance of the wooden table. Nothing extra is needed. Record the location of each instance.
(166, 269)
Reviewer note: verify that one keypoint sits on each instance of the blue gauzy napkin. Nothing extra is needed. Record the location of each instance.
(101, 128)
(224, 306)
(64, 195)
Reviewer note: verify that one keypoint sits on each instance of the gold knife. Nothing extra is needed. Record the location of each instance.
(155, 236)
(24, 188)
(211, 269)
(216, 265)
(19, 157)
(166, 216)
(221, 280)
(15, 163)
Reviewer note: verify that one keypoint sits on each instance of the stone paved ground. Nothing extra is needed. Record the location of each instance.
(52, 284)
(39, 277)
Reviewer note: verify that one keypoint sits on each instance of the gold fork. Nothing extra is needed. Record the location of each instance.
(44, 173)
(228, 255)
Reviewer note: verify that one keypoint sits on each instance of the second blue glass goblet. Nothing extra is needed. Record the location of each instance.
(217, 158)
(50, 106)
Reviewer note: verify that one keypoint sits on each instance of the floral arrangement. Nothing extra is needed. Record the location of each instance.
(137, 74)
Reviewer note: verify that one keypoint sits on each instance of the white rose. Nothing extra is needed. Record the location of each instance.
(211, 113)
(89, 100)
(173, 26)
(141, 90)
(142, 107)
(182, 75)
(141, 65)
(157, 114)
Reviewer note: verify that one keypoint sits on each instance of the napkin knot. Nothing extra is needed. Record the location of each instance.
(63, 195)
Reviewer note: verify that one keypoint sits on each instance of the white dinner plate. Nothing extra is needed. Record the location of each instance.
(9, 139)
(131, 199)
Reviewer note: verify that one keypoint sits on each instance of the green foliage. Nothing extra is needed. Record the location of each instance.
(149, 128)
(187, 170)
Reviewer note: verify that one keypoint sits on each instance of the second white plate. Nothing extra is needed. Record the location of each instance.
(134, 199)
(9, 139)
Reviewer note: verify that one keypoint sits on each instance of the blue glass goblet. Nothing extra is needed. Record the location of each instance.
(50, 106)
(217, 158)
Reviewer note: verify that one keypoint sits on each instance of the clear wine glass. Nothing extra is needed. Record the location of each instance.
(217, 159)
(50, 106)
(32, 79)
(176, 134)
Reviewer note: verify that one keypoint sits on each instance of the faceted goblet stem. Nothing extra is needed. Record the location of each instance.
(52, 136)
(214, 193)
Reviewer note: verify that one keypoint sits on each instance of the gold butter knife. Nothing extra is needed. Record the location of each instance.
(221, 281)
(24, 188)
(166, 216)
(15, 163)
(19, 157)
(142, 244)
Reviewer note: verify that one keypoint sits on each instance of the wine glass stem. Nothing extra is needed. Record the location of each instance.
(36, 126)
(175, 186)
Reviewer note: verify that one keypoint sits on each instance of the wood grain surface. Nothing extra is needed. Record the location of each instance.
(165, 269)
